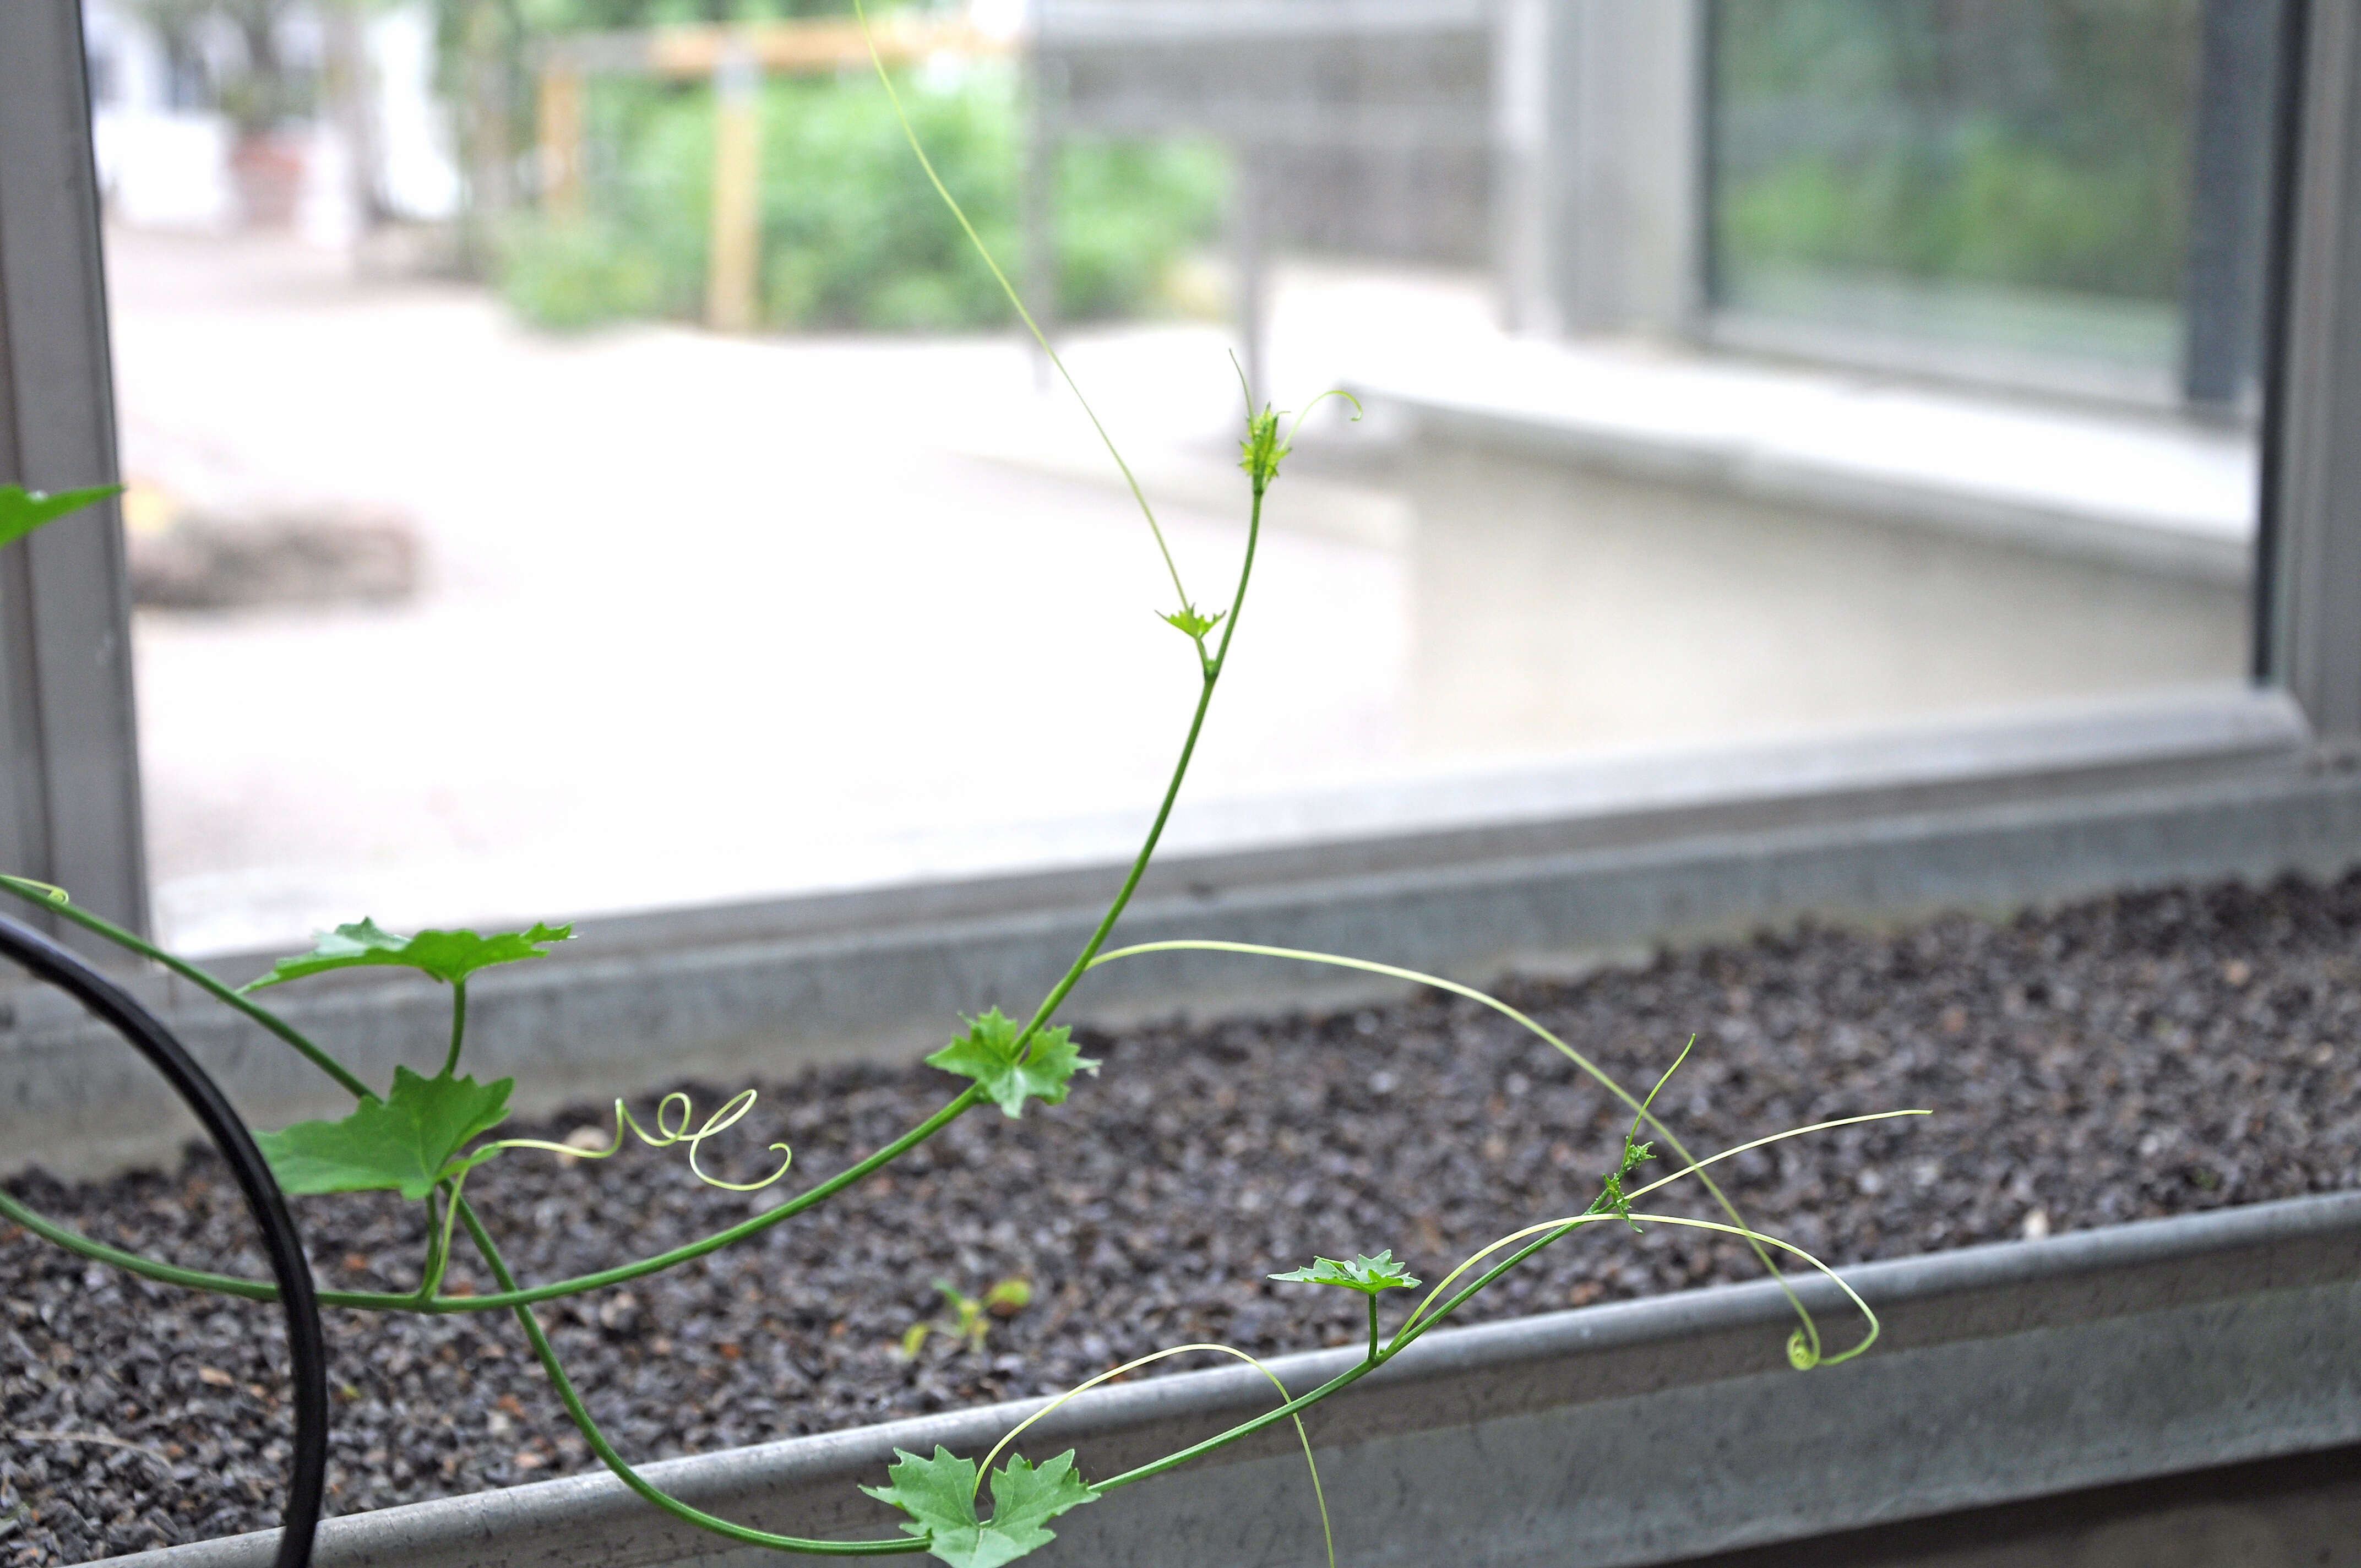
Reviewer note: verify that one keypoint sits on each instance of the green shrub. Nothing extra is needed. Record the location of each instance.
(568, 276)
(848, 240)
(1995, 209)
(2039, 146)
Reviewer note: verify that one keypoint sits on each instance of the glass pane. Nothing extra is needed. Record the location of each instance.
(578, 465)
(2076, 181)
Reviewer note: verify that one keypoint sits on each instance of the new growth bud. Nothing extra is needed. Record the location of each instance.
(1262, 448)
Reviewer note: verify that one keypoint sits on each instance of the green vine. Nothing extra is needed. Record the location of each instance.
(422, 1137)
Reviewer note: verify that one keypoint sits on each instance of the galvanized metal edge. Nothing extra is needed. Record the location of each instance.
(1621, 1434)
(588, 1029)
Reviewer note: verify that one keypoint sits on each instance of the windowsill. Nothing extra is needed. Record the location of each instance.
(2152, 492)
(1455, 818)
(1532, 870)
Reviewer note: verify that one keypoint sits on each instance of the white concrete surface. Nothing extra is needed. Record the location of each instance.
(714, 619)
(2145, 489)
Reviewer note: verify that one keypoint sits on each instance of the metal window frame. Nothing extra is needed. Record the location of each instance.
(2308, 565)
(70, 807)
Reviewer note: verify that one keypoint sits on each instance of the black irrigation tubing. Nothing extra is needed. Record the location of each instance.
(306, 1344)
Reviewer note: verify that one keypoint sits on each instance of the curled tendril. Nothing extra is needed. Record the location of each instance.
(1263, 448)
(672, 1129)
(1306, 412)
(47, 891)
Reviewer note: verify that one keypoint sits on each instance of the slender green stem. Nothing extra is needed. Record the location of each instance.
(1244, 1429)
(621, 1466)
(438, 1238)
(1601, 1209)
(372, 1301)
(910, 133)
(1082, 963)
(196, 977)
(1377, 1357)
(1245, 575)
(1319, 1495)
(379, 1302)
(74, 1241)
(459, 1025)
(1409, 1333)
(263, 1290)
(719, 1239)
(438, 1255)
(1089, 955)
(1809, 1327)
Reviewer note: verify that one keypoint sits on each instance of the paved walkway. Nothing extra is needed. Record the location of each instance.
(712, 619)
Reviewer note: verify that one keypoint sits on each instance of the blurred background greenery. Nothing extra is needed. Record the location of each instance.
(1934, 158)
(853, 236)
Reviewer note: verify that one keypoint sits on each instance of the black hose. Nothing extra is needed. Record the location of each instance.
(306, 1345)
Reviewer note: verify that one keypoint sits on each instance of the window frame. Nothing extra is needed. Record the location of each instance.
(70, 804)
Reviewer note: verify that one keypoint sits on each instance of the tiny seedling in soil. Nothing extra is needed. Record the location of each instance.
(971, 1316)
(424, 1137)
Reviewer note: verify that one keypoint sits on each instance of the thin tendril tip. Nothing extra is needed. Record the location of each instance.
(674, 1111)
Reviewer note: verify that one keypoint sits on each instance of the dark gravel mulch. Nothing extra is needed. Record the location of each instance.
(2139, 1055)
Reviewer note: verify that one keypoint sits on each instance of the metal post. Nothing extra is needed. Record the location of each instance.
(69, 778)
(1628, 165)
(2229, 181)
(1524, 196)
(2313, 624)
(736, 263)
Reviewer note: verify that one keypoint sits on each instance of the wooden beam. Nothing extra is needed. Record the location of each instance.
(817, 48)
(560, 116)
(735, 266)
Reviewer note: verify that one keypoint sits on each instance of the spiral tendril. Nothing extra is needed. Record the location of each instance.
(672, 1129)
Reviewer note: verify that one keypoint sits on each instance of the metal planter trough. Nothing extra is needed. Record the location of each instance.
(1639, 1432)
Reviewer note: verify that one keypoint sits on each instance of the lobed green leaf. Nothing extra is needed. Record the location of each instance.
(449, 955)
(407, 1142)
(938, 1494)
(1191, 623)
(1366, 1275)
(987, 1053)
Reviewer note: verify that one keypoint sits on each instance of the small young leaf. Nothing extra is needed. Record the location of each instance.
(1190, 624)
(1261, 448)
(408, 1141)
(987, 1053)
(1366, 1275)
(938, 1494)
(1611, 1198)
(449, 955)
(22, 511)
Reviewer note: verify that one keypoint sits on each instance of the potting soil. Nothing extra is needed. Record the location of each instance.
(2131, 1057)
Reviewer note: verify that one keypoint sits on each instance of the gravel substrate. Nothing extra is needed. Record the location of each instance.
(2133, 1057)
